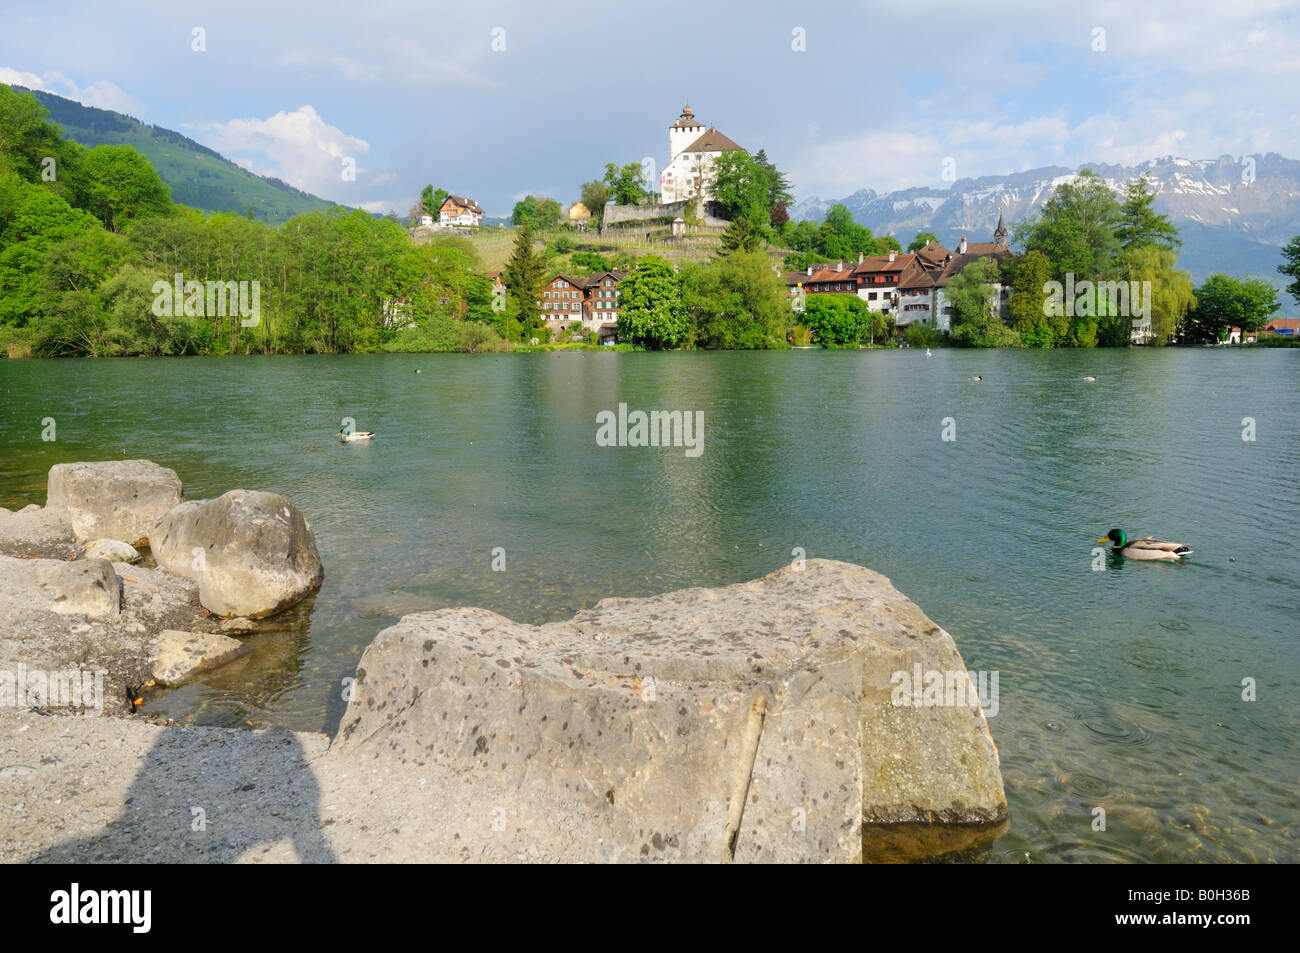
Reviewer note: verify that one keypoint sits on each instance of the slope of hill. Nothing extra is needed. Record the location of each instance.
(198, 176)
(1228, 223)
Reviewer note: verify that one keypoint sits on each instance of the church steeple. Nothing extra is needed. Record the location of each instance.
(1000, 233)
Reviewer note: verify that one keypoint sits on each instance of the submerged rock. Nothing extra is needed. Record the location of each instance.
(252, 553)
(177, 656)
(753, 722)
(115, 499)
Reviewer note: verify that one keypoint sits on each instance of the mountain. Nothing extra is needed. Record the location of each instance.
(198, 176)
(1226, 223)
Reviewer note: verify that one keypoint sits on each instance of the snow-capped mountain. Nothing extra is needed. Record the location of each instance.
(1234, 214)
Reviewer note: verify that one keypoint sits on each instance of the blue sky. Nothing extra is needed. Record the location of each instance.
(879, 96)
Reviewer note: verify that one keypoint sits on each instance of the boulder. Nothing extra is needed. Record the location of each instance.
(37, 531)
(116, 499)
(86, 587)
(252, 553)
(176, 656)
(114, 550)
(756, 722)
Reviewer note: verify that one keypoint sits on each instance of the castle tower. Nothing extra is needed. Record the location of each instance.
(1000, 233)
(683, 132)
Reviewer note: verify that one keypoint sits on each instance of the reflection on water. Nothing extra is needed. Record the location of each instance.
(1120, 689)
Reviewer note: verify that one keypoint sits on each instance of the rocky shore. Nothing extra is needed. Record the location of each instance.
(759, 722)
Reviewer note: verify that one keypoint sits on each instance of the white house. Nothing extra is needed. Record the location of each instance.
(457, 210)
(692, 150)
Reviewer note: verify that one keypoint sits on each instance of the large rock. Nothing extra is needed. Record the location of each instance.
(88, 587)
(114, 550)
(755, 722)
(37, 531)
(252, 553)
(117, 499)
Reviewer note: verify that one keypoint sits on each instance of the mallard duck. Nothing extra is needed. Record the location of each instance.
(1145, 548)
(349, 435)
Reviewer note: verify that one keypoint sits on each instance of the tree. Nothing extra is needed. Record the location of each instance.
(973, 297)
(1139, 224)
(650, 306)
(780, 214)
(1171, 294)
(746, 186)
(921, 239)
(1025, 311)
(1076, 229)
(737, 301)
(627, 184)
(742, 235)
(524, 275)
(431, 200)
(594, 196)
(120, 185)
(841, 238)
(1223, 303)
(1291, 267)
(837, 320)
(537, 210)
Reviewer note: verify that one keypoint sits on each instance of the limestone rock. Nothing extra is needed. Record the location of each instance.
(753, 722)
(86, 587)
(116, 499)
(252, 553)
(176, 656)
(114, 550)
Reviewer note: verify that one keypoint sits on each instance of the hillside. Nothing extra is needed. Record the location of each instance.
(1227, 224)
(198, 176)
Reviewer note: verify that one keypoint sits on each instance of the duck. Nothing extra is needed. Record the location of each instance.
(1090, 378)
(977, 377)
(1145, 548)
(350, 435)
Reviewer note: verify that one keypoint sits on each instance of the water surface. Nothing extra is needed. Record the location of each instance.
(1119, 688)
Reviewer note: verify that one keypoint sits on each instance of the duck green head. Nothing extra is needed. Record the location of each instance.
(1117, 537)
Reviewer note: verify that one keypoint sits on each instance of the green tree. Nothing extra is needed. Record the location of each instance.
(627, 184)
(538, 210)
(1171, 293)
(1025, 311)
(524, 275)
(745, 189)
(841, 238)
(1223, 302)
(838, 320)
(650, 305)
(1291, 267)
(1076, 229)
(742, 235)
(735, 302)
(921, 239)
(431, 200)
(594, 196)
(972, 295)
(1139, 224)
(120, 185)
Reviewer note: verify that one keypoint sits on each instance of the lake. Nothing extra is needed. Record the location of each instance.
(1120, 683)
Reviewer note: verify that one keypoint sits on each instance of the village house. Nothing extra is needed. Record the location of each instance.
(588, 302)
(909, 287)
(457, 210)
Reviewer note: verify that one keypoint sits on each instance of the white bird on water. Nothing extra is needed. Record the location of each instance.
(927, 352)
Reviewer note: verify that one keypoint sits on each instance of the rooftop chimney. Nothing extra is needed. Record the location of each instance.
(892, 254)
(839, 265)
(860, 257)
(810, 271)
(961, 249)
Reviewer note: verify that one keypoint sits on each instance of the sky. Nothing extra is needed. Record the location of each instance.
(497, 99)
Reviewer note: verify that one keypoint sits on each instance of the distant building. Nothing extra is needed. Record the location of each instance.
(457, 210)
(426, 219)
(692, 150)
(579, 212)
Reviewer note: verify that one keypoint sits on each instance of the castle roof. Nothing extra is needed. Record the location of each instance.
(713, 141)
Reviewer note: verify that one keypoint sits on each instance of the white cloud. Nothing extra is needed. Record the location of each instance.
(101, 94)
(298, 147)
